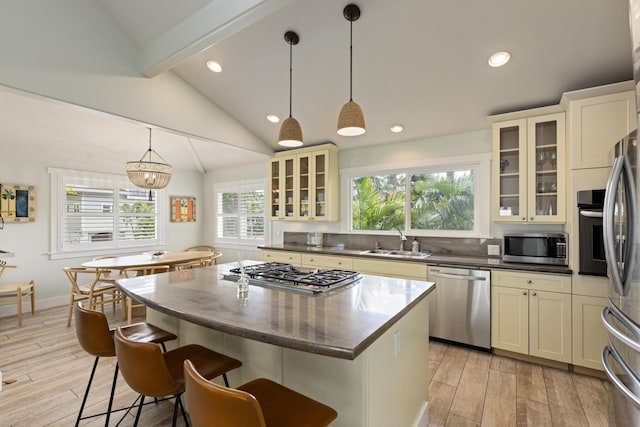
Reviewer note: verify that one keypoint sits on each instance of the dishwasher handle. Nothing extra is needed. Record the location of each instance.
(437, 273)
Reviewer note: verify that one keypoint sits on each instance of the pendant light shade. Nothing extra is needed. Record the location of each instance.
(290, 131)
(351, 118)
(146, 173)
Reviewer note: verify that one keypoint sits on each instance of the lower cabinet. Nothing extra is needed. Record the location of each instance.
(327, 261)
(280, 256)
(527, 318)
(399, 269)
(589, 335)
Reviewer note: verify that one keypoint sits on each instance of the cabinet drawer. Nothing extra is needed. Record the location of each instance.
(409, 270)
(327, 261)
(534, 281)
(280, 256)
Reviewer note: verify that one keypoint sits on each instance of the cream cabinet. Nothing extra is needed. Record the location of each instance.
(327, 261)
(589, 335)
(400, 269)
(529, 169)
(596, 121)
(531, 314)
(280, 256)
(304, 184)
(282, 192)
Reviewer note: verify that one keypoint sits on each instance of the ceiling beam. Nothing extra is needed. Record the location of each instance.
(216, 21)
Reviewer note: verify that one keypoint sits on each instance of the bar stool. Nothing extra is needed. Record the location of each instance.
(96, 338)
(258, 403)
(152, 373)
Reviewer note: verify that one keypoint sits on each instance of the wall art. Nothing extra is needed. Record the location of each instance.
(18, 202)
(183, 209)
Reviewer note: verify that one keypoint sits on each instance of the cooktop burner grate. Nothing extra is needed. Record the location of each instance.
(287, 276)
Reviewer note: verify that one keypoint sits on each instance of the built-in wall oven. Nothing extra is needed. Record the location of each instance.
(590, 240)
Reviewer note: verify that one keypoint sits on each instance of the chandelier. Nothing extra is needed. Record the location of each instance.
(149, 174)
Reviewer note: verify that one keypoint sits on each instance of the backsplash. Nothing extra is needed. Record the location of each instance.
(437, 245)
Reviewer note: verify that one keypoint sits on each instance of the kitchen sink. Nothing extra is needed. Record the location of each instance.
(398, 254)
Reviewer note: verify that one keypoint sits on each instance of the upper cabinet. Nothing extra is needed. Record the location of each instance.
(304, 184)
(597, 119)
(529, 168)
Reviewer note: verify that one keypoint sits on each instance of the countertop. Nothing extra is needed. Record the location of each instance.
(341, 323)
(435, 259)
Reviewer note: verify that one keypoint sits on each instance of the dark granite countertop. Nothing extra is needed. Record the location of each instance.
(340, 323)
(435, 259)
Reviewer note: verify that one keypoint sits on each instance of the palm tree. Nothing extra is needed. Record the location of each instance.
(8, 195)
(442, 203)
(375, 208)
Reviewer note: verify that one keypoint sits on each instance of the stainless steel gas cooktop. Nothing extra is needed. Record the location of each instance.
(287, 276)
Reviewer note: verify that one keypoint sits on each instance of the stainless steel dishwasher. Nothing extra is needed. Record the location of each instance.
(460, 306)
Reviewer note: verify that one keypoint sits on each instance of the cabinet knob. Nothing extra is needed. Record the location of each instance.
(311, 260)
(534, 294)
(524, 218)
(531, 218)
(529, 281)
(524, 292)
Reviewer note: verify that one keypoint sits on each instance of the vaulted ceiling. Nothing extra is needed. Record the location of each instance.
(422, 63)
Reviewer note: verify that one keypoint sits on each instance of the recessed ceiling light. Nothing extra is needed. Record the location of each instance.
(273, 118)
(396, 127)
(498, 59)
(214, 66)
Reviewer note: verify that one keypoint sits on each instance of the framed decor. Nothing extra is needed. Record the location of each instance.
(18, 202)
(183, 209)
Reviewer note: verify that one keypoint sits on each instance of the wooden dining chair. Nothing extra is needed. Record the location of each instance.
(258, 403)
(110, 276)
(87, 286)
(212, 260)
(13, 294)
(140, 271)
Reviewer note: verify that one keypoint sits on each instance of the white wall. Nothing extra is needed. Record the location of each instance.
(30, 241)
(403, 153)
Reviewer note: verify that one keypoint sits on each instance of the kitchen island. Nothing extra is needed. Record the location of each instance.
(361, 349)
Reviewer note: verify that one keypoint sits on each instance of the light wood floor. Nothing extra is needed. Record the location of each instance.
(467, 388)
(472, 388)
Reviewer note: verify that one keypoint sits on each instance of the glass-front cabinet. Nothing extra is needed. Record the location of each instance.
(304, 184)
(529, 169)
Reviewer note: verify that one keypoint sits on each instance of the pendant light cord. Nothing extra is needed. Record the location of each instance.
(351, 61)
(290, 76)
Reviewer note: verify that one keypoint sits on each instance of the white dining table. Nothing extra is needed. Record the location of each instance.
(147, 259)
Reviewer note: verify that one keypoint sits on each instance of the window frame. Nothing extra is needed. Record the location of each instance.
(58, 178)
(238, 187)
(481, 163)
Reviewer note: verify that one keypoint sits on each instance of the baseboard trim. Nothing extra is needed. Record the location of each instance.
(41, 304)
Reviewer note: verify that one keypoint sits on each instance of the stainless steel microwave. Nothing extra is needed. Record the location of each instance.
(536, 248)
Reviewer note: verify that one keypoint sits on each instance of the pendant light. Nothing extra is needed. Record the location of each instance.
(149, 174)
(351, 118)
(290, 131)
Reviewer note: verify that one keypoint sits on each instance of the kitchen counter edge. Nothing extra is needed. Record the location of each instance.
(434, 259)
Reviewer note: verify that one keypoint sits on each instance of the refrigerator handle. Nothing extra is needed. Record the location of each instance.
(606, 352)
(611, 328)
(608, 219)
(632, 222)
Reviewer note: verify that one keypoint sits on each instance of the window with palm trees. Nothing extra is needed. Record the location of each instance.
(425, 200)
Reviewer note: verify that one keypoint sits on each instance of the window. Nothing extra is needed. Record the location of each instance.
(446, 199)
(100, 211)
(240, 212)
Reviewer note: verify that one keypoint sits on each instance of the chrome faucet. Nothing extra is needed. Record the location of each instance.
(378, 246)
(402, 239)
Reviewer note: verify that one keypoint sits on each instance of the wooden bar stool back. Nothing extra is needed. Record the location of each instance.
(152, 373)
(258, 403)
(95, 337)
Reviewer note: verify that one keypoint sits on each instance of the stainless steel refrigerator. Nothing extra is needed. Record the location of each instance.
(621, 318)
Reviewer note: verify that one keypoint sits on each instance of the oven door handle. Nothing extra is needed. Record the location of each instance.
(591, 214)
